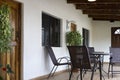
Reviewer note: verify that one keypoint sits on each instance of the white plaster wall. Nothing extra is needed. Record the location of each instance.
(35, 60)
(102, 35)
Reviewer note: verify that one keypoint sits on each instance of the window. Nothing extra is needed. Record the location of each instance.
(50, 30)
(85, 37)
(117, 31)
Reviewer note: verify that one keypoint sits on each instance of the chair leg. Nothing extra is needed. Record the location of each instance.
(92, 75)
(51, 72)
(102, 60)
(93, 70)
(109, 70)
(80, 74)
(100, 69)
(54, 71)
(112, 70)
(71, 74)
(68, 70)
(84, 72)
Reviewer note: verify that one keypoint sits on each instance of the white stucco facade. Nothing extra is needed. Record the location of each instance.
(35, 60)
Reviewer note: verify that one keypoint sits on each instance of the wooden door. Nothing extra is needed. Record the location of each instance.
(14, 57)
(115, 37)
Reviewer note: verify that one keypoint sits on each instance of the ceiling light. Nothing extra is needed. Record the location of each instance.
(91, 0)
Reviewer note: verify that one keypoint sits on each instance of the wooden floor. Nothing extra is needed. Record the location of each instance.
(65, 75)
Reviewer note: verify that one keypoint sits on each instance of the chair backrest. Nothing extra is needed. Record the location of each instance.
(115, 54)
(52, 55)
(91, 50)
(92, 57)
(79, 55)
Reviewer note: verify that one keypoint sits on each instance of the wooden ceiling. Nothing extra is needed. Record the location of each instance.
(100, 9)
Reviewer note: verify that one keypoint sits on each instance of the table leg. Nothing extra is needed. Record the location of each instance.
(100, 69)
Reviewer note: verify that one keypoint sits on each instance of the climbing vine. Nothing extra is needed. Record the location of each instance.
(5, 29)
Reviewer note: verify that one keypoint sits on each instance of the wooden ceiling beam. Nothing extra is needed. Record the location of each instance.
(98, 6)
(101, 11)
(106, 19)
(97, 1)
(105, 16)
(110, 18)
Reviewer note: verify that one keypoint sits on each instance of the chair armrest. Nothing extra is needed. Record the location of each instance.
(110, 57)
(64, 58)
(94, 57)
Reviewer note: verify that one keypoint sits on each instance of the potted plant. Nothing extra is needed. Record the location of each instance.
(5, 36)
(73, 38)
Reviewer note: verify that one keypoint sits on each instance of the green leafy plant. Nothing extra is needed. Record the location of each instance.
(5, 29)
(73, 38)
(5, 36)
